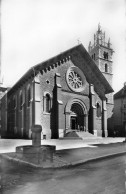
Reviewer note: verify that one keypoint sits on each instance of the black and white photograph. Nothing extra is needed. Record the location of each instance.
(62, 96)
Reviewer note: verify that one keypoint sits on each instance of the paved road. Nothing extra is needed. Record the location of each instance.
(103, 177)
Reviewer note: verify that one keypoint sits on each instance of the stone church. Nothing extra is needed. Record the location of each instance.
(69, 92)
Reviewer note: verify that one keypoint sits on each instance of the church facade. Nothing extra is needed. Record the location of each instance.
(65, 93)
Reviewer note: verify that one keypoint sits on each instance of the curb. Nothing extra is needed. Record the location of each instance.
(96, 159)
(18, 161)
(68, 165)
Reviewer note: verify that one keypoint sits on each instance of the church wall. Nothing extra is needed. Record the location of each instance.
(47, 85)
(98, 118)
(18, 121)
(47, 119)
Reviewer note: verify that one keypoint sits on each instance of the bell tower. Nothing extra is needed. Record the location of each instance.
(101, 52)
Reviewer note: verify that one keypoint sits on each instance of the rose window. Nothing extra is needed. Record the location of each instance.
(75, 79)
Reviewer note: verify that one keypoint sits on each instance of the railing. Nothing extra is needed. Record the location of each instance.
(102, 43)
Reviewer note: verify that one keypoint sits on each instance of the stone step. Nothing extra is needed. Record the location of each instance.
(80, 135)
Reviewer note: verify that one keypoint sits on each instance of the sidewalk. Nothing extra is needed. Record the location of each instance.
(9, 145)
(74, 152)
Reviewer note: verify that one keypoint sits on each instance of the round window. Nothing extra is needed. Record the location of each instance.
(75, 79)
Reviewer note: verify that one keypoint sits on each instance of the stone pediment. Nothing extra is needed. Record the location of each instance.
(80, 57)
(93, 75)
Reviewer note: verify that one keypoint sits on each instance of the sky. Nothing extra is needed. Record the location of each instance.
(33, 31)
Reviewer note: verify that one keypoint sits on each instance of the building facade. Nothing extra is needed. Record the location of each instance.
(120, 112)
(65, 93)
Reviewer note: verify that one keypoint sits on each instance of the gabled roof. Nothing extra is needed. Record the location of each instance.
(3, 89)
(120, 94)
(73, 53)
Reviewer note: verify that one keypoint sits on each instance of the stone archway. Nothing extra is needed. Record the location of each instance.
(76, 115)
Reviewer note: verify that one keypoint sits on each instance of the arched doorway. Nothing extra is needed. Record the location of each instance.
(76, 115)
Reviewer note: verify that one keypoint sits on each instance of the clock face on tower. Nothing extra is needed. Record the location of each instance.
(75, 79)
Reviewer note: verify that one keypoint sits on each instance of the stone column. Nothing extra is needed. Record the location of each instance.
(59, 103)
(92, 111)
(22, 121)
(15, 121)
(32, 109)
(86, 122)
(67, 121)
(104, 118)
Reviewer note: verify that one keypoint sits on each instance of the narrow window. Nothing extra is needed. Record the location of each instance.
(29, 96)
(98, 112)
(94, 56)
(47, 102)
(106, 67)
(20, 100)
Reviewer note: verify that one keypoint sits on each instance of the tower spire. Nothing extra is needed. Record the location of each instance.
(102, 51)
(99, 27)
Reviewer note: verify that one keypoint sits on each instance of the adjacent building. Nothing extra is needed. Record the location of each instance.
(3, 91)
(120, 112)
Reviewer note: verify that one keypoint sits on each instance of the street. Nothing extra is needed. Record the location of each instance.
(105, 176)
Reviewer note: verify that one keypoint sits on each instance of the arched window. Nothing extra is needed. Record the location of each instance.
(47, 103)
(98, 110)
(20, 100)
(106, 67)
(14, 102)
(29, 96)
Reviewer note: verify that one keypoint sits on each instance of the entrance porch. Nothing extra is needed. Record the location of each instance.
(76, 116)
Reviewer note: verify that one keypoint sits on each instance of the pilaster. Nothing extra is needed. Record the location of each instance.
(22, 121)
(86, 122)
(59, 104)
(92, 117)
(104, 118)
